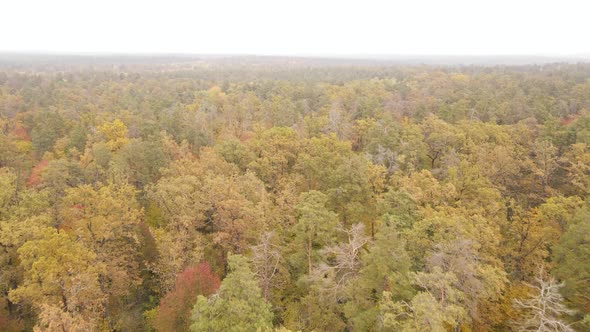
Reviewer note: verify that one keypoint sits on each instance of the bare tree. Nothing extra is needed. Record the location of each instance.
(543, 310)
(265, 261)
(344, 259)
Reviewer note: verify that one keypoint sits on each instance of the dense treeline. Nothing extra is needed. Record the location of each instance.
(294, 196)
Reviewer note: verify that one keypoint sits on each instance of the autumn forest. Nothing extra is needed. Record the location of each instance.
(293, 194)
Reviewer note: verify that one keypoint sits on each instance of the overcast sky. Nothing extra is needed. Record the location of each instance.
(302, 27)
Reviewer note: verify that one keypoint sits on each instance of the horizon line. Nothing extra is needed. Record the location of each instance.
(296, 55)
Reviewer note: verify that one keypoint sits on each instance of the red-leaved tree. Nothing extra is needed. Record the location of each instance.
(175, 307)
(35, 177)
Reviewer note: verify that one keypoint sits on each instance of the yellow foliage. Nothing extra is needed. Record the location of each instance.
(115, 133)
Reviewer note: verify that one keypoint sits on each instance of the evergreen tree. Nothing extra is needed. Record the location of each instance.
(237, 306)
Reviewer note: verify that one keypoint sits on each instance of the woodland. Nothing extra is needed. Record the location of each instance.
(291, 194)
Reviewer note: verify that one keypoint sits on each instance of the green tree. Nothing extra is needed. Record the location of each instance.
(435, 308)
(314, 229)
(385, 266)
(571, 264)
(237, 306)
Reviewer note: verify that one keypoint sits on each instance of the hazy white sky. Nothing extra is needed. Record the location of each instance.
(302, 27)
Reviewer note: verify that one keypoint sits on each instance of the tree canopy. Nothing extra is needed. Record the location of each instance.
(250, 194)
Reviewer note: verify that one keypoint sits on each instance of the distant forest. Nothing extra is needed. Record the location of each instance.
(293, 194)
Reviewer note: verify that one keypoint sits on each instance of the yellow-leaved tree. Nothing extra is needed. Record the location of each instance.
(115, 134)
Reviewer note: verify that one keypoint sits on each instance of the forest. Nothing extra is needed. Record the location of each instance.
(293, 194)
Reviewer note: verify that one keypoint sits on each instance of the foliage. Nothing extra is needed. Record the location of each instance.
(357, 196)
(237, 306)
(174, 311)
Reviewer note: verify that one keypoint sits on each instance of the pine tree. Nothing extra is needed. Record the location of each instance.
(238, 306)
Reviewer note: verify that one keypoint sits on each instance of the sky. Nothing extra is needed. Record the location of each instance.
(302, 27)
